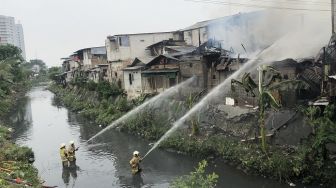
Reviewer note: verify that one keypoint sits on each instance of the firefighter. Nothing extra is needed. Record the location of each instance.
(72, 153)
(135, 163)
(64, 155)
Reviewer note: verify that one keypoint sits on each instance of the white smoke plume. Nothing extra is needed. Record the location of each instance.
(301, 33)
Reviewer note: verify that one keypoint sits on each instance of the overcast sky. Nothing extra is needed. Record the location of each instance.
(56, 28)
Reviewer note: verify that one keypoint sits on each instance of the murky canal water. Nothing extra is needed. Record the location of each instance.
(41, 125)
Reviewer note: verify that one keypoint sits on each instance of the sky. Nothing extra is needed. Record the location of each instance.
(55, 28)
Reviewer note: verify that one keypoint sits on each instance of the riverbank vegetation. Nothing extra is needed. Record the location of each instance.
(15, 169)
(310, 162)
(197, 179)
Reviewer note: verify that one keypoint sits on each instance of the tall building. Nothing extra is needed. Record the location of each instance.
(11, 33)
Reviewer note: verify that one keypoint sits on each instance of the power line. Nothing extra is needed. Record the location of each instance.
(295, 2)
(256, 6)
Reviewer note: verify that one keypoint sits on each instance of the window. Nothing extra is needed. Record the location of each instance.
(213, 76)
(123, 40)
(142, 40)
(130, 78)
(116, 74)
(190, 65)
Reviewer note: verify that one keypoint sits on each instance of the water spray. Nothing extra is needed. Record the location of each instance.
(220, 89)
(166, 93)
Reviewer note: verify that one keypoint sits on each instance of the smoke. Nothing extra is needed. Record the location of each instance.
(301, 33)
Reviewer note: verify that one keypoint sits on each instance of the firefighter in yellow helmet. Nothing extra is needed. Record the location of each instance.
(72, 152)
(64, 155)
(135, 163)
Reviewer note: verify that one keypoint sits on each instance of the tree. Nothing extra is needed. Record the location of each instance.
(53, 72)
(10, 70)
(190, 101)
(10, 52)
(265, 87)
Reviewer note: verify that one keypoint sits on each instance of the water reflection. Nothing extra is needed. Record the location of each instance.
(70, 173)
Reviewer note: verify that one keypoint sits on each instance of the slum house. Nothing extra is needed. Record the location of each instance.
(161, 73)
(210, 64)
(133, 76)
(171, 47)
(91, 60)
(90, 57)
(93, 74)
(70, 68)
(123, 49)
(98, 73)
(328, 60)
(133, 73)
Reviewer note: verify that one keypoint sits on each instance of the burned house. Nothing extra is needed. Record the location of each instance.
(328, 60)
(289, 69)
(172, 47)
(161, 73)
(210, 64)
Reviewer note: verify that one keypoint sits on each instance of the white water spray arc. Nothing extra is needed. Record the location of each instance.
(202, 103)
(280, 49)
(136, 110)
(220, 89)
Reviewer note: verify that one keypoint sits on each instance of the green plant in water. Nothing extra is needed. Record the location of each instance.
(197, 179)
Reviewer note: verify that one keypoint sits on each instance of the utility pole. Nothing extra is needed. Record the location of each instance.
(333, 16)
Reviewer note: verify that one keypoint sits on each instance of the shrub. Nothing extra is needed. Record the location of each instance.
(197, 179)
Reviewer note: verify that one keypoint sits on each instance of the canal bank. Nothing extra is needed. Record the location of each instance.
(304, 163)
(105, 163)
(16, 168)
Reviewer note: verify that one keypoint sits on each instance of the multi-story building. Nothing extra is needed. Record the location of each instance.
(11, 33)
(123, 49)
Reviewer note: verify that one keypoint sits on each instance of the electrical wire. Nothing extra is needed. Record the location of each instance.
(256, 6)
(293, 2)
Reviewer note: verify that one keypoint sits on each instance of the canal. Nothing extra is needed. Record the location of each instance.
(43, 125)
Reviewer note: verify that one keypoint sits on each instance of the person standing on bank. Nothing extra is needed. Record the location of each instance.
(64, 155)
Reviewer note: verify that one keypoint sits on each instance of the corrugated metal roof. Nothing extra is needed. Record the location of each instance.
(160, 71)
(133, 68)
(146, 60)
(98, 50)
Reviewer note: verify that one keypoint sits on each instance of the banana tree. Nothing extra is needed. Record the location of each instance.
(190, 101)
(270, 81)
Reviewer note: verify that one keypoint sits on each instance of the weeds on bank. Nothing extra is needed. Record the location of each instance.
(14, 163)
